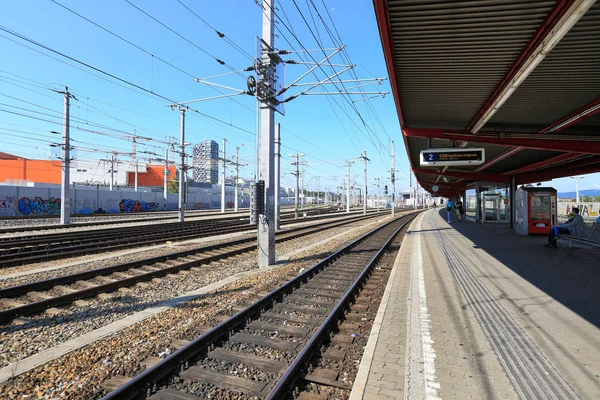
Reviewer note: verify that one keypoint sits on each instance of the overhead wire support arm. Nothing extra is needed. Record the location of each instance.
(309, 51)
(342, 93)
(283, 90)
(369, 81)
(317, 84)
(217, 85)
(213, 98)
(370, 97)
(313, 63)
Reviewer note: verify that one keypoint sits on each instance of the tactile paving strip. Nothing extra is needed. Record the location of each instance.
(530, 372)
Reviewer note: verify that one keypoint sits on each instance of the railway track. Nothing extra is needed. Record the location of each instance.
(290, 324)
(125, 218)
(39, 296)
(37, 248)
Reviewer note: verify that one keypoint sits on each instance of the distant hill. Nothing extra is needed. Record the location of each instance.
(572, 195)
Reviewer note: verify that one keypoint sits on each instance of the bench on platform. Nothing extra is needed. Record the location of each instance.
(590, 237)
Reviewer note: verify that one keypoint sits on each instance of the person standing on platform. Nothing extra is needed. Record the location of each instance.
(574, 227)
(458, 205)
(449, 207)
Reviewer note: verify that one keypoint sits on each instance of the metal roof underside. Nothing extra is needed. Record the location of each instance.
(448, 59)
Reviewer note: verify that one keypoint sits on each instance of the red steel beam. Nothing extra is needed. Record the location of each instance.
(563, 123)
(582, 163)
(572, 146)
(557, 173)
(505, 154)
(382, 16)
(476, 176)
(573, 118)
(453, 185)
(542, 32)
(544, 164)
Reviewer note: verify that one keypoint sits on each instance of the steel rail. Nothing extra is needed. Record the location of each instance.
(294, 371)
(177, 359)
(226, 218)
(125, 220)
(16, 257)
(26, 309)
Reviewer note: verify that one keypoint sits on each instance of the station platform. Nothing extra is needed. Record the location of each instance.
(477, 311)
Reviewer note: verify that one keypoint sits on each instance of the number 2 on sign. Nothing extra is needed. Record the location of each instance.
(430, 157)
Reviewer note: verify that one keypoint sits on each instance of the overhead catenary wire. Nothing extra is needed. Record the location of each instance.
(220, 61)
(170, 101)
(290, 29)
(347, 57)
(154, 56)
(219, 33)
(349, 101)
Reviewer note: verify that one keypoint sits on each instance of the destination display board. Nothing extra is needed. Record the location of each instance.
(454, 156)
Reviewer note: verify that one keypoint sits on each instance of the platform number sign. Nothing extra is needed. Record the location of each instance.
(460, 156)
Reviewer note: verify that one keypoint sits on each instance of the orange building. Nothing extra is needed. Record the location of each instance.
(154, 176)
(23, 169)
(14, 168)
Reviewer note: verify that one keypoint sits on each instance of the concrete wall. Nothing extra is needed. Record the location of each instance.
(32, 201)
(587, 210)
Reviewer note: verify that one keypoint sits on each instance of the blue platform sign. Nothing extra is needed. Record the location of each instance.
(453, 156)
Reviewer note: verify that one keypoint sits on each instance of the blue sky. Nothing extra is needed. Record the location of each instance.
(326, 128)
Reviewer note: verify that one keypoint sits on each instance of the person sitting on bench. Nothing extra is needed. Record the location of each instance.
(574, 227)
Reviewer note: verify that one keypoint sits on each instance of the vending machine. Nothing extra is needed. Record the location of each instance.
(535, 209)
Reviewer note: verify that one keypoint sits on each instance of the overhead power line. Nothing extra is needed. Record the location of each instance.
(183, 37)
(220, 34)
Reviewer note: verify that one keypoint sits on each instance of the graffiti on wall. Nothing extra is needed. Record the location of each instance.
(128, 205)
(7, 201)
(585, 209)
(197, 206)
(37, 205)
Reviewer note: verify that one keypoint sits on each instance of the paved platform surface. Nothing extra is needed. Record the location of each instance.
(474, 311)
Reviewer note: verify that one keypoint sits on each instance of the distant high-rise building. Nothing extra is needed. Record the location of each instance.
(206, 162)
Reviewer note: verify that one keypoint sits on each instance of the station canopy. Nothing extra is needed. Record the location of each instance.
(518, 78)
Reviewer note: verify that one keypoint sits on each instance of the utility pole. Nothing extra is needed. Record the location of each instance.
(365, 159)
(257, 141)
(134, 153)
(378, 191)
(165, 192)
(303, 195)
(348, 186)
(182, 167)
(266, 87)
(237, 175)
(277, 174)
(136, 175)
(318, 187)
(223, 177)
(393, 180)
(411, 190)
(297, 175)
(65, 200)
(112, 171)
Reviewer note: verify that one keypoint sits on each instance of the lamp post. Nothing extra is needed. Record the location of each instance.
(577, 178)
